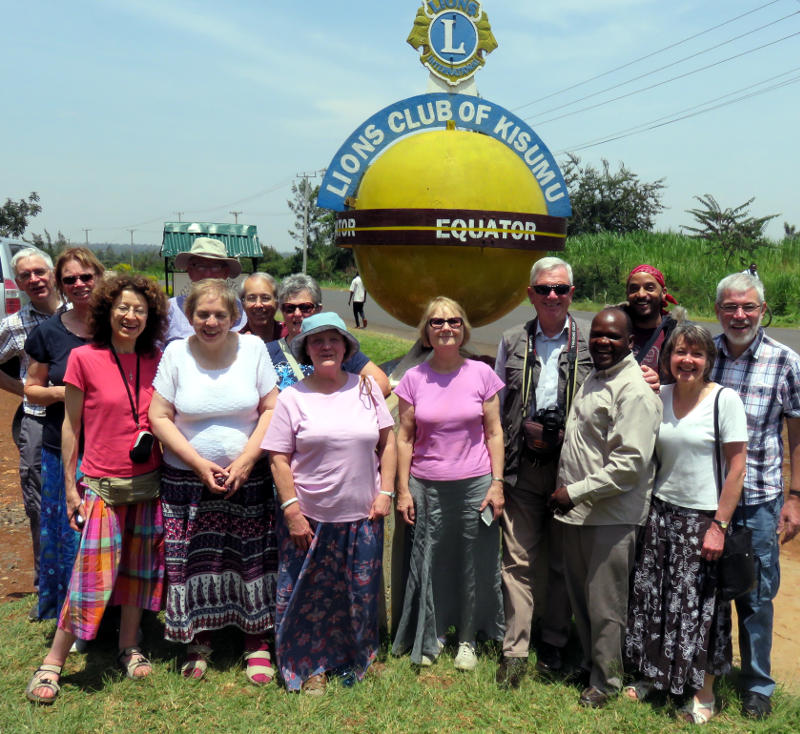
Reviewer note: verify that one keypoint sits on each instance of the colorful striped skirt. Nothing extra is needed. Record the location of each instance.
(58, 542)
(222, 557)
(327, 606)
(120, 561)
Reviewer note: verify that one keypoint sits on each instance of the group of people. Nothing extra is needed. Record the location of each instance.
(617, 454)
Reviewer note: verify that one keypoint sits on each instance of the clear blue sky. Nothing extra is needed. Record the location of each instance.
(122, 112)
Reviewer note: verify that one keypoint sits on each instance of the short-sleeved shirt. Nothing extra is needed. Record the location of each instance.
(449, 440)
(108, 425)
(285, 370)
(216, 410)
(357, 289)
(686, 446)
(767, 377)
(331, 439)
(50, 343)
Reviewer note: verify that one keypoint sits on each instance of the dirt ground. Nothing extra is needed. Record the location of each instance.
(16, 559)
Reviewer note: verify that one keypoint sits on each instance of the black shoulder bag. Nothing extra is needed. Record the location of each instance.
(736, 567)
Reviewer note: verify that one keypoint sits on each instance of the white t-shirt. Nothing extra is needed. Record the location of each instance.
(357, 289)
(216, 410)
(687, 473)
(332, 440)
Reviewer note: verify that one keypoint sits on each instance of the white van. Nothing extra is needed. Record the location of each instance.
(10, 296)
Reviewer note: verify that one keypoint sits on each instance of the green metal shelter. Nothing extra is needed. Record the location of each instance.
(241, 240)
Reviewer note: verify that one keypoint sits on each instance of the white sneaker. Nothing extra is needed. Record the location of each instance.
(466, 658)
(79, 646)
(427, 661)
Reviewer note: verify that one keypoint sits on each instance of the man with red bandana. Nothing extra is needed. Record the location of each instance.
(647, 299)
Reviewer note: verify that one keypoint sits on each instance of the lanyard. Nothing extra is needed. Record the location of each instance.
(134, 406)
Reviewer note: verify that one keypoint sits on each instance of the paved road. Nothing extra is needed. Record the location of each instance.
(486, 338)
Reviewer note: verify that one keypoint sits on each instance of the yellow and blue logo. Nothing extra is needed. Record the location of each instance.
(453, 36)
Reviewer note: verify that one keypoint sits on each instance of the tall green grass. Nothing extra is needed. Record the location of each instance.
(602, 261)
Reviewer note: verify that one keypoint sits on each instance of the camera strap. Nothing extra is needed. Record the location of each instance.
(528, 391)
(134, 405)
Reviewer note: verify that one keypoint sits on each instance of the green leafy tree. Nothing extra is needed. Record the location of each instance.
(14, 215)
(790, 231)
(610, 201)
(47, 244)
(730, 232)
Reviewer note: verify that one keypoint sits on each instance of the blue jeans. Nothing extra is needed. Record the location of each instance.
(754, 610)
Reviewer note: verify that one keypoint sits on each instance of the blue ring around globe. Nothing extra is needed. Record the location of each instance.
(453, 37)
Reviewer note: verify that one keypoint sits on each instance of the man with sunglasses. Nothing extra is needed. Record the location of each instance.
(33, 273)
(542, 362)
(207, 258)
(766, 374)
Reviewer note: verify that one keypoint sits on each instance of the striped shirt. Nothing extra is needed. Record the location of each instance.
(767, 377)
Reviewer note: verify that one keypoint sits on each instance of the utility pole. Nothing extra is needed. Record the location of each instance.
(305, 192)
(180, 214)
(131, 231)
(86, 232)
(235, 216)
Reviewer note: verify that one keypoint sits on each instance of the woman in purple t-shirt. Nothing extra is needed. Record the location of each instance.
(450, 488)
(332, 452)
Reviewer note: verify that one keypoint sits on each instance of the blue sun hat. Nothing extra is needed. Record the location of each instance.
(324, 321)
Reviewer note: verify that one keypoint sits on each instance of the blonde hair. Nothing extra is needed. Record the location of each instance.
(212, 287)
(449, 304)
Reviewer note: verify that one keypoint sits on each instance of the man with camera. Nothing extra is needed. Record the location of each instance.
(542, 362)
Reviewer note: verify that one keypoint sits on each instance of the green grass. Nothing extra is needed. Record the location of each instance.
(393, 699)
(382, 348)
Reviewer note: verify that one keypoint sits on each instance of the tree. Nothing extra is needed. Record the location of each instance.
(730, 231)
(46, 244)
(324, 257)
(14, 215)
(605, 200)
(790, 231)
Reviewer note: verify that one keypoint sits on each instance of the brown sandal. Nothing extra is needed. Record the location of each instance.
(315, 685)
(43, 678)
(136, 660)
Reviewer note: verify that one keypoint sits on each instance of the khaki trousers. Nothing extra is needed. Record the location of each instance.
(530, 534)
(598, 560)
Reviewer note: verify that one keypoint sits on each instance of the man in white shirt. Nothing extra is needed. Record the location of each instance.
(358, 296)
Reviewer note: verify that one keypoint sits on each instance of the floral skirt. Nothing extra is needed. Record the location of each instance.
(58, 541)
(221, 555)
(327, 605)
(678, 629)
(120, 562)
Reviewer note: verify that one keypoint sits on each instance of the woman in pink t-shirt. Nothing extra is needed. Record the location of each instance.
(120, 560)
(332, 452)
(450, 488)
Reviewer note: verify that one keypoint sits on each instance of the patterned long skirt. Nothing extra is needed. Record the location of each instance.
(327, 606)
(678, 629)
(120, 562)
(221, 555)
(58, 541)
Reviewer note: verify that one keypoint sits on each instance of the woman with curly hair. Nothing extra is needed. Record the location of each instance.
(120, 559)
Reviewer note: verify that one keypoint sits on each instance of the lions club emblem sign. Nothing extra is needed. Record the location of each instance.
(453, 36)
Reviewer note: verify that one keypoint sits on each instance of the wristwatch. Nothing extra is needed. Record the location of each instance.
(722, 524)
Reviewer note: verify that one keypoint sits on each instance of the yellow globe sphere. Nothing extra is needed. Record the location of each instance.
(448, 169)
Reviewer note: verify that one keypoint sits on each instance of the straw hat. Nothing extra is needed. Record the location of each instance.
(210, 249)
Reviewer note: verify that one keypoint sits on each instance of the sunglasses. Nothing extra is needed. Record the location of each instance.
(304, 308)
(456, 322)
(544, 290)
(72, 279)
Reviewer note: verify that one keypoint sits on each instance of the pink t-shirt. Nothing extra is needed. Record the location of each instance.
(108, 426)
(449, 442)
(332, 440)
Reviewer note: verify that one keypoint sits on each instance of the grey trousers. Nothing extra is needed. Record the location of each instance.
(598, 560)
(530, 534)
(30, 479)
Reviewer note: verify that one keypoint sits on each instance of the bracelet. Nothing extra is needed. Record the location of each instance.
(384, 492)
(497, 479)
(288, 502)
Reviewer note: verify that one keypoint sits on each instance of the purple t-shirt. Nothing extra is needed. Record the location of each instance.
(449, 442)
(332, 440)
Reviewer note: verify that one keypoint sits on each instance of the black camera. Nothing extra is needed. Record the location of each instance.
(552, 419)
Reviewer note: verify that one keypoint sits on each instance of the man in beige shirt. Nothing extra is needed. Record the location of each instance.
(605, 477)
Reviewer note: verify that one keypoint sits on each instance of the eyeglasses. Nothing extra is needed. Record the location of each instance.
(72, 279)
(732, 308)
(456, 322)
(206, 265)
(304, 308)
(26, 275)
(544, 290)
(258, 298)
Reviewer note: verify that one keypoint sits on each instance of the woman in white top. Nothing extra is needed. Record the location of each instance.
(215, 393)
(679, 631)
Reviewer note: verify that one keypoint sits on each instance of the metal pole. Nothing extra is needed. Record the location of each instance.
(235, 216)
(305, 223)
(86, 232)
(131, 231)
(180, 214)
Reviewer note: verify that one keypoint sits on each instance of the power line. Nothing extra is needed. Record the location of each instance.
(666, 66)
(646, 56)
(654, 124)
(667, 81)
